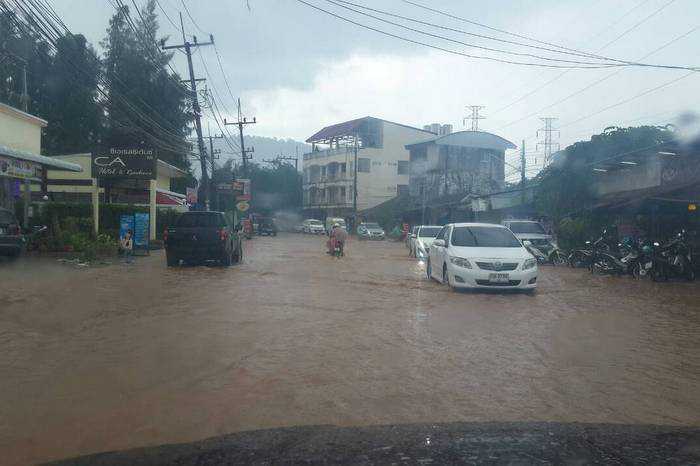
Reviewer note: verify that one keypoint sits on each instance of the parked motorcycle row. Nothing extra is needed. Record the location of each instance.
(639, 258)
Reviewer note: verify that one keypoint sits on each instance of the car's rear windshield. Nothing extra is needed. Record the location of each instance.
(429, 232)
(315, 222)
(484, 237)
(372, 225)
(526, 227)
(6, 217)
(209, 219)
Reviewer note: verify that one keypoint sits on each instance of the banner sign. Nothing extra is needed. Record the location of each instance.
(137, 164)
(243, 206)
(225, 187)
(191, 196)
(242, 187)
(126, 223)
(141, 230)
(18, 168)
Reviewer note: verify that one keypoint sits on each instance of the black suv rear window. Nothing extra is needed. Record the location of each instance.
(201, 219)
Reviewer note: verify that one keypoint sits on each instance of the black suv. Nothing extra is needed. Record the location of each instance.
(202, 236)
(10, 234)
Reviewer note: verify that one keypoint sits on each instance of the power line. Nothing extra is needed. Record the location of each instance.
(598, 81)
(450, 51)
(502, 31)
(437, 36)
(166, 14)
(191, 18)
(556, 78)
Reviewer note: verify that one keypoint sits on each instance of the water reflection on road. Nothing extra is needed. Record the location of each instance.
(118, 356)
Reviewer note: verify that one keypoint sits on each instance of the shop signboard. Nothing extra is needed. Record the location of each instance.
(126, 223)
(18, 168)
(242, 188)
(128, 163)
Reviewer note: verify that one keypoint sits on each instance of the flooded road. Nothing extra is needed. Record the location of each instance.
(114, 357)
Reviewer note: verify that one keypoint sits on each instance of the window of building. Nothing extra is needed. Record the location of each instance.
(402, 167)
(363, 165)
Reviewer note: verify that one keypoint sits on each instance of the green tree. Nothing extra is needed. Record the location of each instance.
(147, 104)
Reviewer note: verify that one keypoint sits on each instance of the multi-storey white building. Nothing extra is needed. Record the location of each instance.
(382, 165)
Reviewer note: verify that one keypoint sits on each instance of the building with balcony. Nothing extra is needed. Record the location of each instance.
(456, 164)
(382, 171)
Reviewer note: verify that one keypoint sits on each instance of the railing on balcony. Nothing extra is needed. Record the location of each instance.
(326, 153)
(329, 179)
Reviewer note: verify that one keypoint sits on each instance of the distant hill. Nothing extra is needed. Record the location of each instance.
(265, 148)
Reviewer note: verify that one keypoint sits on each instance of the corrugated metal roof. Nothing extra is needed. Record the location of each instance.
(24, 115)
(53, 163)
(348, 128)
(479, 139)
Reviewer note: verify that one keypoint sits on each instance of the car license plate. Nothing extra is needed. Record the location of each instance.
(499, 278)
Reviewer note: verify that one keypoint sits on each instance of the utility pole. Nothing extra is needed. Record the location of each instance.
(212, 155)
(354, 186)
(548, 142)
(195, 104)
(242, 121)
(522, 173)
(474, 117)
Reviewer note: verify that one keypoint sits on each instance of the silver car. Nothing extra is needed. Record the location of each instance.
(370, 231)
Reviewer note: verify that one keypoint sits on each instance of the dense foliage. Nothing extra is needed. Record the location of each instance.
(128, 97)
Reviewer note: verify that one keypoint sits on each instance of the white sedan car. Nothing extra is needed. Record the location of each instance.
(422, 239)
(481, 255)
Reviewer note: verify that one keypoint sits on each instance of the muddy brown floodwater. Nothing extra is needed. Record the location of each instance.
(115, 357)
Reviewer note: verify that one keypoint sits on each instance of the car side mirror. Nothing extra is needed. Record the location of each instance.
(440, 243)
(527, 243)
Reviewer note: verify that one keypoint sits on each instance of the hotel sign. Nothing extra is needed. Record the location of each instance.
(138, 164)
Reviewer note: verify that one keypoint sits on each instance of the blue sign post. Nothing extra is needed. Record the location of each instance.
(139, 224)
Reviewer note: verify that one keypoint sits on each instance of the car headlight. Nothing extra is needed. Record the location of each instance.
(529, 263)
(461, 262)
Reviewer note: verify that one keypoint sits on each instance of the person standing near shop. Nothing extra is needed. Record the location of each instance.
(127, 245)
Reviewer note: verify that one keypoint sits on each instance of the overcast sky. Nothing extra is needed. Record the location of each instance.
(298, 69)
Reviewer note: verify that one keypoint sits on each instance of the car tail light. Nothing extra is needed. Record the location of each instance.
(165, 235)
(223, 234)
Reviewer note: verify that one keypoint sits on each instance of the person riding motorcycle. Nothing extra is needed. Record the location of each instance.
(337, 235)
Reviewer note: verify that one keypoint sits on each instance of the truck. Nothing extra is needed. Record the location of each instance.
(202, 236)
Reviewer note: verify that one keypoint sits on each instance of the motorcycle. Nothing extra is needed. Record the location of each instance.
(618, 260)
(581, 258)
(338, 249)
(548, 253)
(673, 259)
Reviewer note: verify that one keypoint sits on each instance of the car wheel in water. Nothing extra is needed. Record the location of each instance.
(445, 276)
(690, 275)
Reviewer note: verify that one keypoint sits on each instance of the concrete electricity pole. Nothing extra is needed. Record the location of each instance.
(354, 186)
(212, 156)
(240, 123)
(195, 104)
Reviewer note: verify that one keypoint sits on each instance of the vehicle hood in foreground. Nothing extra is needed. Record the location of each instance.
(530, 236)
(454, 443)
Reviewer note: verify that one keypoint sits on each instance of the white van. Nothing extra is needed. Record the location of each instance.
(330, 221)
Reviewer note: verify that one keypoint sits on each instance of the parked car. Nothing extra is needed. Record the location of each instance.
(481, 255)
(11, 241)
(528, 230)
(202, 236)
(313, 227)
(370, 231)
(330, 221)
(267, 226)
(421, 241)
